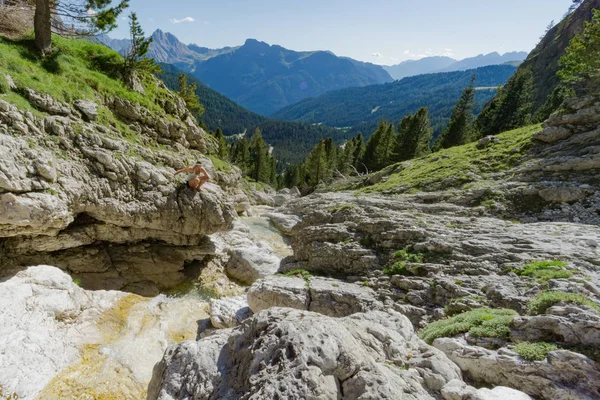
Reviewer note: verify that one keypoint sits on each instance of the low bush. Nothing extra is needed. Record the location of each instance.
(534, 351)
(482, 322)
(540, 303)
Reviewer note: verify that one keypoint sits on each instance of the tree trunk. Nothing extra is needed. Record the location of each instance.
(43, 27)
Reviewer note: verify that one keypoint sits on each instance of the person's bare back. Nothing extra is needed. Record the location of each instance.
(197, 176)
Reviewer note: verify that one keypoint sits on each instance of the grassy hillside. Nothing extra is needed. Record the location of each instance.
(459, 167)
(292, 141)
(363, 108)
(77, 70)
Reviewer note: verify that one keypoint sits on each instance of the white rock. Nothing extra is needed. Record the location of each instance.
(229, 312)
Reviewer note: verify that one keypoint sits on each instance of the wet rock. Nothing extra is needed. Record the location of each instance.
(299, 354)
(283, 222)
(45, 319)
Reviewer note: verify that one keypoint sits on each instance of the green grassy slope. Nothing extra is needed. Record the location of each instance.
(460, 166)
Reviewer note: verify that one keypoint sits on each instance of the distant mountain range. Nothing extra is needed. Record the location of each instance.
(361, 109)
(260, 77)
(292, 141)
(447, 64)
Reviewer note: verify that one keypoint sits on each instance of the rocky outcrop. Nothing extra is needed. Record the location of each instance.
(325, 296)
(103, 204)
(61, 341)
(569, 324)
(229, 312)
(251, 263)
(45, 319)
(564, 375)
(285, 353)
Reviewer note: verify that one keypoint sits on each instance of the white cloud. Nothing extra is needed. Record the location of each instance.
(179, 21)
(377, 55)
(417, 55)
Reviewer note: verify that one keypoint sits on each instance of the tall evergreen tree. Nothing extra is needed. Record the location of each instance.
(359, 152)
(414, 135)
(91, 16)
(260, 167)
(511, 108)
(316, 164)
(379, 148)
(240, 154)
(188, 94)
(460, 125)
(222, 152)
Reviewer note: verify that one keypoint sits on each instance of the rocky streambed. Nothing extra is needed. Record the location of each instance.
(60, 341)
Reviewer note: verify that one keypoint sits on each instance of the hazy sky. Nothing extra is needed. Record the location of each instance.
(378, 31)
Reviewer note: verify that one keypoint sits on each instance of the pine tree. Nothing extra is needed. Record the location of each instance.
(414, 135)
(379, 148)
(135, 61)
(331, 154)
(240, 155)
(359, 152)
(316, 164)
(511, 108)
(188, 94)
(223, 151)
(554, 101)
(460, 125)
(91, 17)
(260, 165)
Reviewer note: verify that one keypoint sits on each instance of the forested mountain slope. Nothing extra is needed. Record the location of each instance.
(292, 141)
(363, 108)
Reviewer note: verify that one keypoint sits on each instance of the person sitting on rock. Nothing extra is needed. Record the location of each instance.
(197, 175)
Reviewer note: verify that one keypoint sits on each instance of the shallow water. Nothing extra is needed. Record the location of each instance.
(263, 230)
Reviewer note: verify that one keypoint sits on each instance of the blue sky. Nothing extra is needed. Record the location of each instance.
(378, 31)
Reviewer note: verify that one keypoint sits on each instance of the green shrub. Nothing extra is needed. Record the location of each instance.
(402, 258)
(534, 351)
(482, 322)
(545, 270)
(540, 303)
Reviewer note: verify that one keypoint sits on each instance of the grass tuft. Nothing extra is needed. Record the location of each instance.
(482, 322)
(534, 351)
(543, 301)
(545, 270)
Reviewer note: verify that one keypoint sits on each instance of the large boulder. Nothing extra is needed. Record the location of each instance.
(251, 263)
(45, 319)
(292, 354)
(568, 324)
(229, 312)
(322, 295)
(564, 375)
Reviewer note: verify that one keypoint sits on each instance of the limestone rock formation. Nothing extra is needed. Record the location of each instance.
(45, 319)
(563, 375)
(325, 296)
(285, 353)
(103, 205)
(229, 312)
